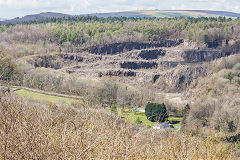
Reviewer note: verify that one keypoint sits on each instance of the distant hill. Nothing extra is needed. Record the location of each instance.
(218, 13)
(3, 19)
(35, 17)
(140, 14)
(169, 13)
(123, 14)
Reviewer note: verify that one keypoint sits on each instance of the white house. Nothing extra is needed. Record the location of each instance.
(140, 110)
(163, 126)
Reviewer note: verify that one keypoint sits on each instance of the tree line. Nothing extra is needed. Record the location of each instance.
(92, 30)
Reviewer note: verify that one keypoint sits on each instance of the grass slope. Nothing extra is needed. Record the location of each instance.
(137, 117)
(132, 118)
(43, 97)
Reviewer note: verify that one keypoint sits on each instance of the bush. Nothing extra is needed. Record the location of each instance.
(8, 70)
(237, 67)
(138, 121)
(156, 112)
(185, 113)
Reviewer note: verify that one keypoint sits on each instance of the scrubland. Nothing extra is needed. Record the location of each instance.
(91, 132)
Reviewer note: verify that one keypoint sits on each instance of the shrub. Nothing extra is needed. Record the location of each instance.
(138, 121)
(236, 66)
(156, 112)
(8, 70)
(114, 108)
(231, 126)
(185, 113)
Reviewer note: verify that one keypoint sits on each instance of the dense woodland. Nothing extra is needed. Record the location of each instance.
(87, 31)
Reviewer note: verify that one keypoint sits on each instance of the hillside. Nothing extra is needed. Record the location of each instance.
(170, 13)
(80, 83)
(35, 17)
(151, 53)
(136, 14)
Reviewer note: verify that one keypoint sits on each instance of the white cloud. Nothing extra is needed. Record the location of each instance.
(13, 8)
(23, 3)
(182, 7)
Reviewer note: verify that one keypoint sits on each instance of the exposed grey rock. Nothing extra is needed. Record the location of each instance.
(180, 78)
(151, 54)
(116, 48)
(55, 61)
(119, 73)
(203, 55)
(139, 65)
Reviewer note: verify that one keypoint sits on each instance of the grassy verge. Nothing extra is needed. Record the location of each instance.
(43, 97)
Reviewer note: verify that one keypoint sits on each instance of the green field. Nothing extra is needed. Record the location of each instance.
(43, 97)
(137, 117)
(132, 118)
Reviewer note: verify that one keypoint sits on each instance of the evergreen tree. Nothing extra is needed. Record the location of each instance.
(156, 112)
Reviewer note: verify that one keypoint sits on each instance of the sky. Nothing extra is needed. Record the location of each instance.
(20, 8)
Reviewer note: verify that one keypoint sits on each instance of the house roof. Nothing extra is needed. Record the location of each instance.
(163, 125)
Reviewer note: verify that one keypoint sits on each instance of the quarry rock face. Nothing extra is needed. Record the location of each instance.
(203, 55)
(55, 61)
(179, 79)
(120, 73)
(169, 65)
(138, 65)
(116, 48)
(206, 55)
(151, 54)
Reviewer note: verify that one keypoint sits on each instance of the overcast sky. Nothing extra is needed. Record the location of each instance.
(19, 8)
